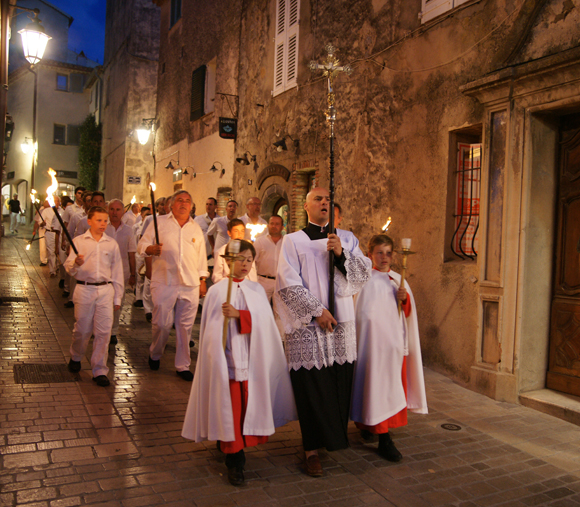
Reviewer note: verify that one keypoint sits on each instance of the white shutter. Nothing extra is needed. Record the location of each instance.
(286, 45)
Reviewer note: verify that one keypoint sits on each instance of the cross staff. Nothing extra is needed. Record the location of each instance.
(330, 69)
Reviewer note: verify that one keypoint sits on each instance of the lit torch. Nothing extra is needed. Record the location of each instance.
(255, 229)
(386, 226)
(35, 201)
(133, 201)
(49, 191)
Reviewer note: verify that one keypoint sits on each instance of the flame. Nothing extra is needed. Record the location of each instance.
(255, 229)
(134, 200)
(28, 246)
(52, 189)
(386, 226)
(153, 187)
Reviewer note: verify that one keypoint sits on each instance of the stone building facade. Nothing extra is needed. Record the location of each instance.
(129, 80)
(456, 123)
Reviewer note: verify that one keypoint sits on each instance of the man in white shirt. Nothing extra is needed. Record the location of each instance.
(130, 218)
(139, 259)
(77, 206)
(98, 199)
(40, 226)
(256, 226)
(204, 221)
(123, 235)
(178, 279)
(217, 232)
(267, 253)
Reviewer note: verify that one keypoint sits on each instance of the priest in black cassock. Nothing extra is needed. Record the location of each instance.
(320, 348)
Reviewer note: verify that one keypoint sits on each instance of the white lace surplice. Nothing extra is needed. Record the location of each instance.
(302, 294)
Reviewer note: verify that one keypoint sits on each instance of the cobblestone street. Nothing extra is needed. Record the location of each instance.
(73, 443)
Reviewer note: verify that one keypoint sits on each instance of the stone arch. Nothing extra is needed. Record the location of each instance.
(272, 197)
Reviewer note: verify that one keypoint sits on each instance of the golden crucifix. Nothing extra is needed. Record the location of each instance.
(330, 70)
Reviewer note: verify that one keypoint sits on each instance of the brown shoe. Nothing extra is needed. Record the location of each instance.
(313, 466)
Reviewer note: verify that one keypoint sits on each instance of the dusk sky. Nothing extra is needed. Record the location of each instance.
(87, 33)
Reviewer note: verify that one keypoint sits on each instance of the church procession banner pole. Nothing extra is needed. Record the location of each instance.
(330, 69)
(231, 255)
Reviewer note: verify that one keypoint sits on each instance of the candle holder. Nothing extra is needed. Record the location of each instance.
(231, 256)
(405, 252)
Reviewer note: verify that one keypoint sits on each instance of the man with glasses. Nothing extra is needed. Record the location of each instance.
(253, 218)
(178, 277)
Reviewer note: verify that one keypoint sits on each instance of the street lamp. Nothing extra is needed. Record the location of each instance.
(147, 126)
(34, 40)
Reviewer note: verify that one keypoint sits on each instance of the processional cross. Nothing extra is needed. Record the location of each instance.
(330, 69)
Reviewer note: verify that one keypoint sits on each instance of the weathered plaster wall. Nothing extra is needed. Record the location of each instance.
(130, 77)
(395, 114)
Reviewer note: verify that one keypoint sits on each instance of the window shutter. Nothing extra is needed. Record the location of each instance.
(286, 45)
(197, 93)
(74, 135)
(76, 83)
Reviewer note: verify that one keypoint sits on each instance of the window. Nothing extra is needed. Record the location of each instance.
(62, 82)
(74, 135)
(462, 228)
(433, 8)
(59, 134)
(177, 175)
(175, 14)
(77, 82)
(286, 45)
(197, 93)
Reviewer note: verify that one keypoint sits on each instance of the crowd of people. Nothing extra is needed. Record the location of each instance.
(271, 353)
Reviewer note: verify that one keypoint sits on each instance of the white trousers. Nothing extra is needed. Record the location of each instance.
(42, 245)
(62, 258)
(93, 315)
(49, 237)
(147, 301)
(14, 221)
(268, 285)
(179, 303)
(139, 280)
(117, 315)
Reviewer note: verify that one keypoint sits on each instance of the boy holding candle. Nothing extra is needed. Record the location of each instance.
(98, 269)
(388, 376)
(240, 395)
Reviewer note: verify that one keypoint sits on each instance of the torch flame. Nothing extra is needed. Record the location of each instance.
(255, 229)
(53, 187)
(134, 200)
(153, 187)
(28, 246)
(386, 226)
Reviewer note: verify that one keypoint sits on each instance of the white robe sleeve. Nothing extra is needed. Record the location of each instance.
(358, 267)
(295, 304)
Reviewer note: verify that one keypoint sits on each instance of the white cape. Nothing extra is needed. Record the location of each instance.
(384, 338)
(270, 396)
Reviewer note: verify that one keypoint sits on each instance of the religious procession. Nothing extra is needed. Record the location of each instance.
(280, 338)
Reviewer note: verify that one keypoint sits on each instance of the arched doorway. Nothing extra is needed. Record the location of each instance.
(275, 202)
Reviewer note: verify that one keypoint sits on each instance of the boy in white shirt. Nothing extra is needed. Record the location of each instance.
(98, 269)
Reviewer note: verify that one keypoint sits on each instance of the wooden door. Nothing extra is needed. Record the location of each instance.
(564, 362)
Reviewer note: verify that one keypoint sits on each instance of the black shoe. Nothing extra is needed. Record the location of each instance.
(191, 343)
(138, 304)
(367, 436)
(65, 294)
(74, 366)
(185, 375)
(154, 365)
(69, 304)
(149, 317)
(236, 476)
(61, 284)
(113, 340)
(42, 263)
(101, 380)
(388, 450)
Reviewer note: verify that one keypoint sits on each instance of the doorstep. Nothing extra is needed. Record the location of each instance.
(561, 405)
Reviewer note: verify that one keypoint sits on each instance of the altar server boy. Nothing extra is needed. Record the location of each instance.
(240, 395)
(98, 269)
(388, 376)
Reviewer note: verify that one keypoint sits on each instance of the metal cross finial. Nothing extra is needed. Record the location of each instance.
(330, 69)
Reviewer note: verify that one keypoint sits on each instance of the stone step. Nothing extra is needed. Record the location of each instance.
(561, 405)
